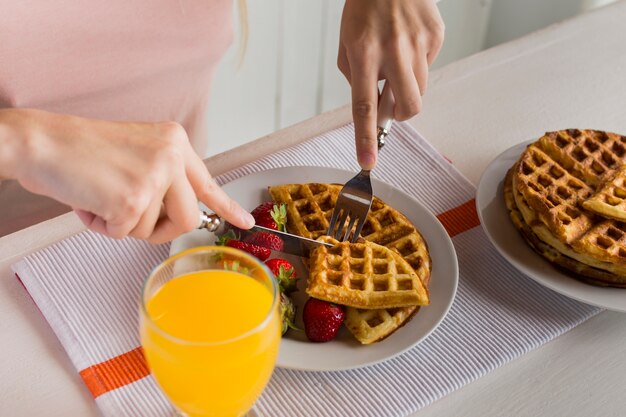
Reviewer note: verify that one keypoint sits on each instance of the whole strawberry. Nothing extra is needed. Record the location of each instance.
(271, 215)
(260, 252)
(322, 320)
(287, 313)
(284, 273)
(266, 240)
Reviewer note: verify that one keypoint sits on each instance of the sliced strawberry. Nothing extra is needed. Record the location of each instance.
(271, 215)
(284, 273)
(322, 320)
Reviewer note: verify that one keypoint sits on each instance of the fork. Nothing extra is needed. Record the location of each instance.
(355, 198)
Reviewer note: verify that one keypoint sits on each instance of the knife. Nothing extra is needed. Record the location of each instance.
(292, 244)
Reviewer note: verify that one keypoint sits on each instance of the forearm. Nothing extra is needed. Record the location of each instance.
(16, 143)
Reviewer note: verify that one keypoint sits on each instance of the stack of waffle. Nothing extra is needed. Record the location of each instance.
(382, 279)
(566, 195)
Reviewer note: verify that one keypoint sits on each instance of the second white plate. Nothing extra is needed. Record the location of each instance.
(345, 352)
(494, 218)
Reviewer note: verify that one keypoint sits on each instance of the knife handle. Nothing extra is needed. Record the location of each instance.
(385, 114)
(211, 221)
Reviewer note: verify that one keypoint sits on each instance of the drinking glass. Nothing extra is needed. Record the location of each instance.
(210, 330)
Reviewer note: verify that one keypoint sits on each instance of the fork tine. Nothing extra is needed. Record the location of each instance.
(349, 228)
(333, 220)
(359, 226)
(341, 223)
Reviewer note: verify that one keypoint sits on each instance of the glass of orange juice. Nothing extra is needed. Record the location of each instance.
(210, 330)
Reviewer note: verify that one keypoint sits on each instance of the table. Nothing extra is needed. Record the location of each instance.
(569, 75)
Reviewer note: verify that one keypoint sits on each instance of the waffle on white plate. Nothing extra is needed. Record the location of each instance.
(610, 199)
(363, 275)
(309, 208)
(549, 191)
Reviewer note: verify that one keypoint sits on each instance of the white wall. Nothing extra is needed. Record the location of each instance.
(466, 28)
(287, 74)
(514, 18)
(243, 100)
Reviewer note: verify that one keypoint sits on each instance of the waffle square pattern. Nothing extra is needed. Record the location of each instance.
(610, 199)
(566, 194)
(364, 275)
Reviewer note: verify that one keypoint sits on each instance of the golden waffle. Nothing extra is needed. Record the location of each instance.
(363, 275)
(553, 193)
(587, 273)
(309, 208)
(369, 326)
(610, 199)
(542, 232)
(552, 179)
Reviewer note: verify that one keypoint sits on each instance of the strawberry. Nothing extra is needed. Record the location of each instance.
(287, 313)
(322, 320)
(271, 215)
(266, 240)
(284, 273)
(258, 251)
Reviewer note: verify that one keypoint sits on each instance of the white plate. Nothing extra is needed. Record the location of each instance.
(494, 218)
(344, 352)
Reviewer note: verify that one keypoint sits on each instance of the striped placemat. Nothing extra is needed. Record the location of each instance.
(87, 287)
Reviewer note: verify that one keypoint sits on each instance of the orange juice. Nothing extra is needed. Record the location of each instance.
(213, 341)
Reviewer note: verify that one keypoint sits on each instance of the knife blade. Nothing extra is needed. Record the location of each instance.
(292, 244)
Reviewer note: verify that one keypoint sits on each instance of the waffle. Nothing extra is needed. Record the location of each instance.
(369, 326)
(600, 276)
(610, 199)
(543, 233)
(309, 208)
(364, 275)
(552, 179)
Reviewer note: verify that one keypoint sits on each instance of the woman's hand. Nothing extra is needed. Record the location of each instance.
(395, 40)
(122, 179)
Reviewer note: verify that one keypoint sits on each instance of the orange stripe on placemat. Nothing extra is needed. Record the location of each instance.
(115, 373)
(460, 219)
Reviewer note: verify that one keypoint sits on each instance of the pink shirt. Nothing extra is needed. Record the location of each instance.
(139, 60)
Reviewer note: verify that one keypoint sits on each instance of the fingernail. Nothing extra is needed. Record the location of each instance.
(248, 220)
(367, 161)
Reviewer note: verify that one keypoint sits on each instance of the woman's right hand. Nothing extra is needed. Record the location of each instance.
(393, 40)
(122, 179)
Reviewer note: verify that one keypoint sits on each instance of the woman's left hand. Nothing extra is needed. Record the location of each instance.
(394, 40)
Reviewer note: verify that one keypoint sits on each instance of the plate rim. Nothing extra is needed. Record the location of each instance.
(576, 290)
(451, 256)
